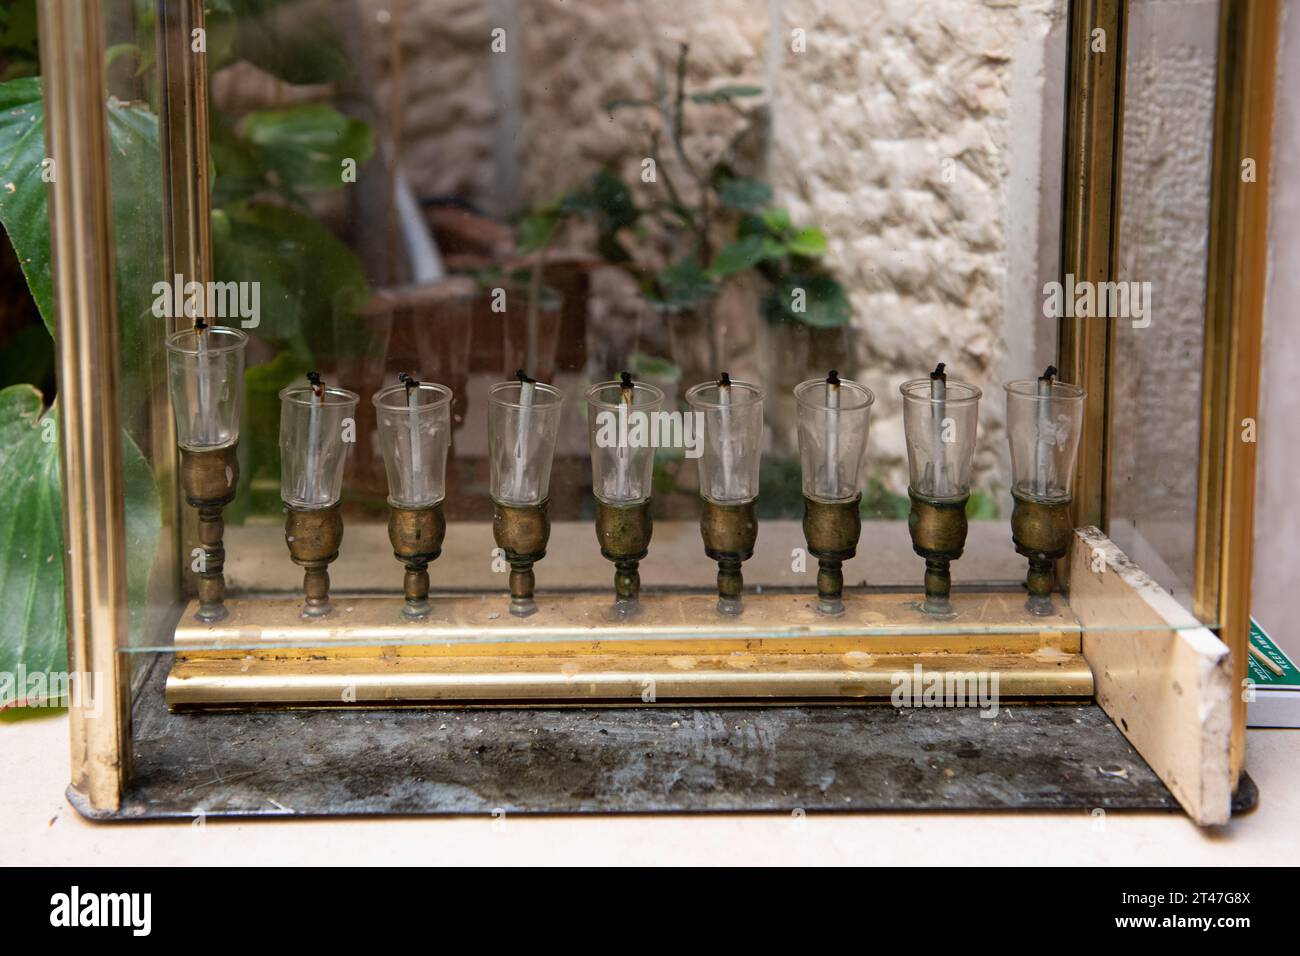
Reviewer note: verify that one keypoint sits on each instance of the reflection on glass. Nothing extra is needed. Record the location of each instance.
(1044, 418)
(523, 421)
(205, 369)
(315, 425)
(620, 427)
(940, 419)
(733, 438)
(834, 417)
(415, 433)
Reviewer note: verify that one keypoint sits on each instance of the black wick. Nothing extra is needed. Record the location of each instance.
(410, 381)
(1048, 375)
(938, 374)
(832, 377)
(523, 378)
(317, 385)
(724, 379)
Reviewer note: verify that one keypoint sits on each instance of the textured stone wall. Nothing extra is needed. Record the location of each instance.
(863, 122)
(445, 107)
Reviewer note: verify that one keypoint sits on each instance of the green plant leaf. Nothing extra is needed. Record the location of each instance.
(137, 217)
(684, 285)
(615, 207)
(611, 250)
(745, 194)
(536, 229)
(881, 504)
(306, 145)
(722, 93)
(810, 243)
(743, 254)
(981, 507)
(33, 629)
(311, 282)
(811, 299)
(623, 104)
(23, 206)
(777, 219)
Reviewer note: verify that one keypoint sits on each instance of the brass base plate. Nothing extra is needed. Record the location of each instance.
(576, 651)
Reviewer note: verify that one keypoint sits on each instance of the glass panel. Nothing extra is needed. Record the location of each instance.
(751, 231)
(1163, 231)
(530, 199)
(149, 427)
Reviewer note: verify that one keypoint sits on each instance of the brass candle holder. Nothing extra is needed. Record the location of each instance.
(732, 426)
(521, 532)
(414, 420)
(205, 373)
(832, 530)
(834, 418)
(1044, 420)
(209, 480)
(313, 454)
(624, 534)
(940, 419)
(523, 422)
(622, 471)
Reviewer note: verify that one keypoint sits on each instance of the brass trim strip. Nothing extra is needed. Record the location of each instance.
(470, 651)
(1235, 288)
(82, 265)
(1090, 196)
(993, 622)
(382, 681)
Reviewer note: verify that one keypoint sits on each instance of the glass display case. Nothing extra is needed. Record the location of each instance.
(514, 354)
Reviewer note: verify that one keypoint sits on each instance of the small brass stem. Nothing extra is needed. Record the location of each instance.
(209, 480)
(522, 584)
(731, 585)
(830, 586)
(938, 586)
(316, 588)
(212, 579)
(627, 581)
(1040, 581)
(415, 585)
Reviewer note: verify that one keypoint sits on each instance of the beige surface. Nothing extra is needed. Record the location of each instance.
(41, 828)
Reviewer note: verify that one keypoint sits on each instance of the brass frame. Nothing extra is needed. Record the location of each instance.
(1090, 196)
(90, 453)
(1234, 324)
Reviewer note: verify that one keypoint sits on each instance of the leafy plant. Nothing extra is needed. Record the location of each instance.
(728, 225)
(266, 166)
